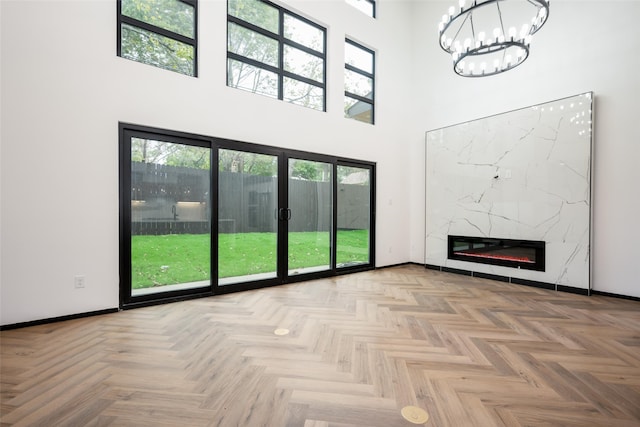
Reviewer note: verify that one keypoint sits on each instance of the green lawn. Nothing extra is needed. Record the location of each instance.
(183, 258)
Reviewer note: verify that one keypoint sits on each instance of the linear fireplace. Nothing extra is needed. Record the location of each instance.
(526, 254)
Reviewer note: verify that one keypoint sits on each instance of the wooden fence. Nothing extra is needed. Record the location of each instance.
(174, 200)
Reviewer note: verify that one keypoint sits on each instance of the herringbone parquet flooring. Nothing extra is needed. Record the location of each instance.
(471, 352)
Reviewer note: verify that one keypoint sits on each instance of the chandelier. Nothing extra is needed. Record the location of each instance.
(491, 36)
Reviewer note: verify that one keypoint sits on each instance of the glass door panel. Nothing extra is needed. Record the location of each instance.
(309, 216)
(354, 218)
(170, 217)
(280, 216)
(247, 220)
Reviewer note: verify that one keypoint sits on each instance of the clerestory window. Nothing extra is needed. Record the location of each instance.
(274, 52)
(367, 7)
(359, 82)
(162, 33)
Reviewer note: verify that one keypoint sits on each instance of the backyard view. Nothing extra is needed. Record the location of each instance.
(183, 258)
(192, 198)
(171, 215)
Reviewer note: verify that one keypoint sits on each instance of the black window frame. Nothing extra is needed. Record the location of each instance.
(193, 42)
(282, 42)
(362, 72)
(373, 8)
(128, 130)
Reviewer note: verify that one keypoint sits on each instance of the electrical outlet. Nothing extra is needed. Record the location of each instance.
(78, 281)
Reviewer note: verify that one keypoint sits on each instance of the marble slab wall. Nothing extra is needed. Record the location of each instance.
(524, 174)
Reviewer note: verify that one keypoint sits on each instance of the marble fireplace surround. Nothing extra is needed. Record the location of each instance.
(523, 174)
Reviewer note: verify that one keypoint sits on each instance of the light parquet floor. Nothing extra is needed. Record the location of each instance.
(471, 352)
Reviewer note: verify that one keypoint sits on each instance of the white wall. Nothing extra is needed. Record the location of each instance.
(64, 91)
(585, 46)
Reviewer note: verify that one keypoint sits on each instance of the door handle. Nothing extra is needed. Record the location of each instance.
(284, 214)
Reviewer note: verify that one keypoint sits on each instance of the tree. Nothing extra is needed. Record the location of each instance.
(250, 44)
(168, 153)
(348, 173)
(310, 171)
(266, 50)
(154, 49)
(190, 157)
(249, 163)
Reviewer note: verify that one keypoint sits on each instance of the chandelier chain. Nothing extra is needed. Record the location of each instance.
(462, 26)
(473, 30)
(500, 15)
(504, 51)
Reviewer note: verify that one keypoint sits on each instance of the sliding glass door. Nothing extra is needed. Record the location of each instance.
(201, 216)
(169, 211)
(354, 233)
(247, 220)
(309, 216)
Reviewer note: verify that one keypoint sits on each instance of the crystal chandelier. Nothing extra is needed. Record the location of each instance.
(491, 36)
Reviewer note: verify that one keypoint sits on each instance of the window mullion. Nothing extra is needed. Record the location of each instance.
(157, 30)
(303, 48)
(281, 55)
(302, 79)
(353, 110)
(148, 43)
(253, 62)
(358, 70)
(358, 97)
(252, 27)
(309, 89)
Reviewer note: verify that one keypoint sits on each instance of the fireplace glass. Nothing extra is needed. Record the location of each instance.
(525, 254)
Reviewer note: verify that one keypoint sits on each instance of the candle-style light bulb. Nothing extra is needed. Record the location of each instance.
(496, 34)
